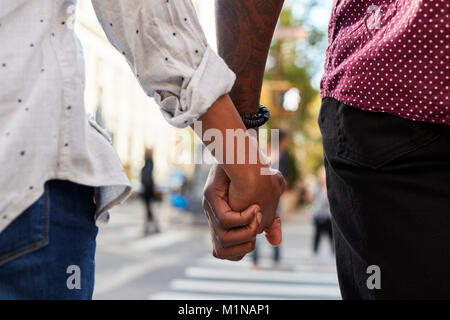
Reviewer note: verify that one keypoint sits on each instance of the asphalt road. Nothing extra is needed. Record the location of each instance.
(177, 264)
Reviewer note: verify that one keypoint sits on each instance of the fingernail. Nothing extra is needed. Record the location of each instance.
(259, 217)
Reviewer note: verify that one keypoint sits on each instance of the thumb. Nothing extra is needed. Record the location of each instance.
(273, 232)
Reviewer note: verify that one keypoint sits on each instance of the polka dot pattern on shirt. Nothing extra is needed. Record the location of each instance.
(391, 56)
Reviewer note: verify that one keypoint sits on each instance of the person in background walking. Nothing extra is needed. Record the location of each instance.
(148, 194)
(321, 213)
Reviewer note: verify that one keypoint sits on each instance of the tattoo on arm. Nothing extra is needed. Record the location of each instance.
(244, 33)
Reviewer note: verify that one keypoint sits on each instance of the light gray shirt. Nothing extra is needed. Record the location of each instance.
(45, 133)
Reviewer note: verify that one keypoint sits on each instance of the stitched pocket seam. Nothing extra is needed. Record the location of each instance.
(35, 245)
(380, 159)
(384, 157)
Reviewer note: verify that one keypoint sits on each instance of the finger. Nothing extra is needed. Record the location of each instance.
(233, 238)
(280, 179)
(237, 258)
(214, 224)
(265, 221)
(216, 197)
(236, 236)
(217, 182)
(212, 220)
(228, 218)
(273, 232)
(234, 252)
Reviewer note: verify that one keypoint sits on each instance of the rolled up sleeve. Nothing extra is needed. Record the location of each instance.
(165, 47)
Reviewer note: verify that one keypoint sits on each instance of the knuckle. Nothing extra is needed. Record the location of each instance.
(216, 237)
(207, 192)
(282, 180)
(249, 218)
(204, 204)
(279, 176)
(220, 254)
(222, 237)
(281, 183)
(221, 220)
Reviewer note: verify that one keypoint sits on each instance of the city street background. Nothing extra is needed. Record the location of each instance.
(177, 263)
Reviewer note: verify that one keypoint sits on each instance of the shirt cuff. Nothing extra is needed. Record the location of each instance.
(212, 79)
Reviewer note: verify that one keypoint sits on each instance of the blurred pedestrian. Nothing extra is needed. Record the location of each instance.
(321, 213)
(148, 194)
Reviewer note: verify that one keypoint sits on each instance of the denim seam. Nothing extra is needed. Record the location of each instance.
(36, 245)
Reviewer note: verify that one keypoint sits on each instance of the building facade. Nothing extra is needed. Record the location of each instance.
(115, 97)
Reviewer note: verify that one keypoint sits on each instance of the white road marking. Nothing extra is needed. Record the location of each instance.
(251, 288)
(160, 241)
(113, 280)
(261, 275)
(171, 295)
(247, 264)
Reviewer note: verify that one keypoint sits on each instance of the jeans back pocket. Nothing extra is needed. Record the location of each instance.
(373, 139)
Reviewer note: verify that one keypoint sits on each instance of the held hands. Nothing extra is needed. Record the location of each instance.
(239, 200)
(241, 207)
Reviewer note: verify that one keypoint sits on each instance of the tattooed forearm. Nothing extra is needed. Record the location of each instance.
(244, 32)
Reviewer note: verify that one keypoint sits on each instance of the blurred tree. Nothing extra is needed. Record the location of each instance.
(291, 59)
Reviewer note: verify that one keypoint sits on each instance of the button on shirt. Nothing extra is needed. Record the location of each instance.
(44, 131)
(391, 56)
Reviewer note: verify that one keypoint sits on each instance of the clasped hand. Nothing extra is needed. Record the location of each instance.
(238, 209)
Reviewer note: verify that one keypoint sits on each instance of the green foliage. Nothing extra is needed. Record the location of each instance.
(290, 62)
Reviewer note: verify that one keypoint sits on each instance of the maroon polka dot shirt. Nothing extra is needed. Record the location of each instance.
(391, 56)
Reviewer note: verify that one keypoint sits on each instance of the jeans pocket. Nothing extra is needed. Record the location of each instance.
(374, 139)
(28, 233)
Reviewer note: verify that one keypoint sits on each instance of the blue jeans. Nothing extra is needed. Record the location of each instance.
(48, 251)
(276, 254)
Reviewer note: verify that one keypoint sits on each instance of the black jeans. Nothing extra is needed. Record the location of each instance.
(388, 182)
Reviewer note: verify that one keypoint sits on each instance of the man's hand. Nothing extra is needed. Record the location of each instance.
(251, 187)
(233, 188)
(233, 232)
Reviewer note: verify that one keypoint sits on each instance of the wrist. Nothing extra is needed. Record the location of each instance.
(237, 151)
(247, 172)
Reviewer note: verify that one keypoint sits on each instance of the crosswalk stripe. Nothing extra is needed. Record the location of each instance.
(251, 288)
(113, 280)
(213, 262)
(171, 295)
(261, 275)
(246, 264)
(160, 241)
